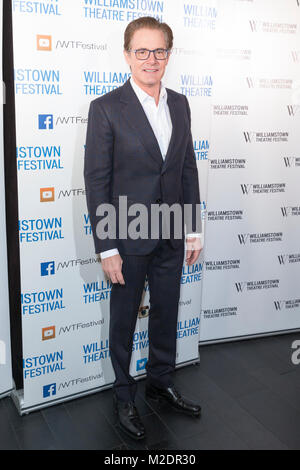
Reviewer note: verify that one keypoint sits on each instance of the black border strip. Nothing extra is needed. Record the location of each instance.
(11, 194)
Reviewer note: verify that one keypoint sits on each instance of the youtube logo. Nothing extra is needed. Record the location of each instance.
(47, 194)
(48, 333)
(44, 43)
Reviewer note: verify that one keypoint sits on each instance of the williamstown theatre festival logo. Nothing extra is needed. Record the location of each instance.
(41, 7)
(264, 188)
(293, 110)
(291, 162)
(286, 304)
(248, 238)
(272, 27)
(256, 285)
(270, 83)
(230, 110)
(224, 215)
(122, 10)
(288, 211)
(202, 17)
(219, 265)
(289, 259)
(227, 163)
(219, 312)
(265, 137)
(296, 56)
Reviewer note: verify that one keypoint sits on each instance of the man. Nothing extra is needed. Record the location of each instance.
(139, 145)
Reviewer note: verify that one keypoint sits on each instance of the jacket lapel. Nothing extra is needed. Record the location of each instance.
(135, 115)
(174, 114)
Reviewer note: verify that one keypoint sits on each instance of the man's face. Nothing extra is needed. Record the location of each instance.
(147, 73)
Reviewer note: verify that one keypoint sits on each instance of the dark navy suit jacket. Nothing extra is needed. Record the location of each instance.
(123, 158)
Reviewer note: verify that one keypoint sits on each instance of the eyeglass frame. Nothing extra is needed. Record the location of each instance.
(150, 50)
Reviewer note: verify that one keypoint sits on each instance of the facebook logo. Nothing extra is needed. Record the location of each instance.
(45, 121)
(141, 364)
(48, 269)
(49, 390)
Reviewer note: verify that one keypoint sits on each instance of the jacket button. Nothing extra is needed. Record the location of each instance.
(158, 201)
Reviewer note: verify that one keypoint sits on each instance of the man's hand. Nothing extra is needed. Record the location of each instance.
(112, 266)
(193, 250)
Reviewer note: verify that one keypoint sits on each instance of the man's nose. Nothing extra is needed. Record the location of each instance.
(152, 57)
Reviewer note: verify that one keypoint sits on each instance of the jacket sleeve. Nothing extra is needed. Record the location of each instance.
(98, 169)
(190, 184)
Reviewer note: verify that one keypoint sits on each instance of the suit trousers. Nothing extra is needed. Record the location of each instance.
(163, 268)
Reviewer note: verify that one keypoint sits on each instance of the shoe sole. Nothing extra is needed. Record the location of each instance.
(163, 401)
(128, 433)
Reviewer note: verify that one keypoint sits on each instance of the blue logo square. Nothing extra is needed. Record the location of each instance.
(141, 364)
(49, 390)
(45, 121)
(48, 269)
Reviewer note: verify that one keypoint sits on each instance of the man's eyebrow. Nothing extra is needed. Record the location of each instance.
(160, 47)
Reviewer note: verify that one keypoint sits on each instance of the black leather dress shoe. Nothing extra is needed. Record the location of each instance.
(129, 419)
(170, 395)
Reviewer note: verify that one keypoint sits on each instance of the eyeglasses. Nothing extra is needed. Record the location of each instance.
(144, 54)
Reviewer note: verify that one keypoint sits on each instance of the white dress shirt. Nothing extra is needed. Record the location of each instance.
(161, 123)
(158, 116)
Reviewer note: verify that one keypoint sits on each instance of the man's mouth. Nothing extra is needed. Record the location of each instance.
(150, 70)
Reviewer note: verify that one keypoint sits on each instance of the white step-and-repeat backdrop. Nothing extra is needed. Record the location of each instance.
(5, 351)
(252, 253)
(67, 53)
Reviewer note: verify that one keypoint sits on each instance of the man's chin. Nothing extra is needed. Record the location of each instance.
(151, 81)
